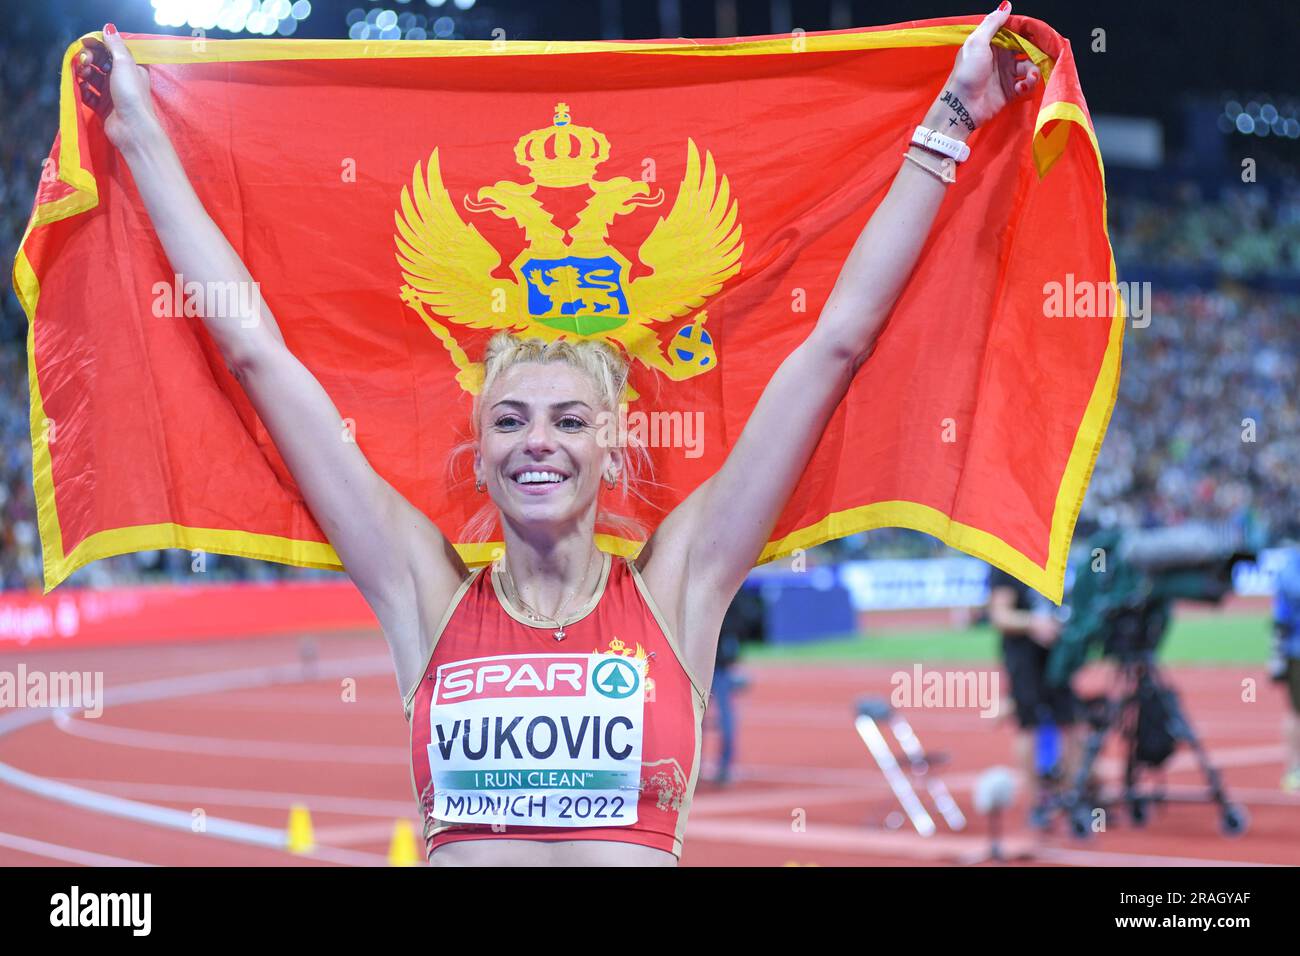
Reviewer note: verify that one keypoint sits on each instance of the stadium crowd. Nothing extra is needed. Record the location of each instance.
(1244, 231)
(1207, 425)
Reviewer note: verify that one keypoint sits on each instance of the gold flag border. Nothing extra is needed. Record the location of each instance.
(1048, 579)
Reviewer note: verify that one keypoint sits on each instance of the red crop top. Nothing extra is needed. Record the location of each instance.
(517, 735)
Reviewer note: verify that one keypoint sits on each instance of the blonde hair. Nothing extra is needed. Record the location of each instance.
(608, 371)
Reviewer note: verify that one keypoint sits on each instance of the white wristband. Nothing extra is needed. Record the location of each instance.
(936, 142)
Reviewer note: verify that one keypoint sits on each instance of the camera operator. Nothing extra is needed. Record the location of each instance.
(1029, 629)
(1285, 665)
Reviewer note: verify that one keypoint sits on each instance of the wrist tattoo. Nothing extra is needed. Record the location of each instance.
(957, 107)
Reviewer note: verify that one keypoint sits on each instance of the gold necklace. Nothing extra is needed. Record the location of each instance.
(534, 615)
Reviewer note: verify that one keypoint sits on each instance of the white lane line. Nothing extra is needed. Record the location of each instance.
(1106, 858)
(65, 854)
(161, 689)
(361, 833)
(835, 785)
(102, 733)
(1248, 795)
(716, 803)
(135, 810)
(941, 848)
(868, 775)
(332, 854)
(354, 806)
(1227, 757)
(836, 837)
(326, 703)
(955, 721)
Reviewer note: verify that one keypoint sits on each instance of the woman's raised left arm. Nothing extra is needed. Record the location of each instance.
(712, 539)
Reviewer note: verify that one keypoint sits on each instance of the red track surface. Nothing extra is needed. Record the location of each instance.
(248, 754)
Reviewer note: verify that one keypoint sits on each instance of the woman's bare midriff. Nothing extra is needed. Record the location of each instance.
(548, 853)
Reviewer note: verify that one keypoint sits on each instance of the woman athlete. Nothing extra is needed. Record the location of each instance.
(555, 701)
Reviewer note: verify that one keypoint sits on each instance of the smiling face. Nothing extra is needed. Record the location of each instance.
(538, 450)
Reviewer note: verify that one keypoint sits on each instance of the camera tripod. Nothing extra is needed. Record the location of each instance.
(1143, 695)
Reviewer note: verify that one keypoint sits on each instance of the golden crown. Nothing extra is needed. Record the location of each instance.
(562, 154)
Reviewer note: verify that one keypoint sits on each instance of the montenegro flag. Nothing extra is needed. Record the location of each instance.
(689, 202)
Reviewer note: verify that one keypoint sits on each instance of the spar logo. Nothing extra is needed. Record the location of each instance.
(615, 678)
(522, 675)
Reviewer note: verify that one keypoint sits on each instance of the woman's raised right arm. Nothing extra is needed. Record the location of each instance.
(404, 566)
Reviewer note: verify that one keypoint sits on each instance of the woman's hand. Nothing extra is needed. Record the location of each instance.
(986, 78)
(115, 86)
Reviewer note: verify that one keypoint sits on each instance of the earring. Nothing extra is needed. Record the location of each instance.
(611, 479)
(479, 486)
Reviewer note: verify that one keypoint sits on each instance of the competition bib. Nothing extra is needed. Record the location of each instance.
(542, 740)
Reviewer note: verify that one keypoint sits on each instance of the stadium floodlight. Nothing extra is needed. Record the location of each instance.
(203, 14)
(232, 16)
(169, 13)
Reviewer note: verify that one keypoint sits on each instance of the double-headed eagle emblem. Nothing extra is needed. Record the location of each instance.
(571, 282)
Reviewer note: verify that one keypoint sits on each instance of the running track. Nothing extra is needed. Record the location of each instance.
(242, 730)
